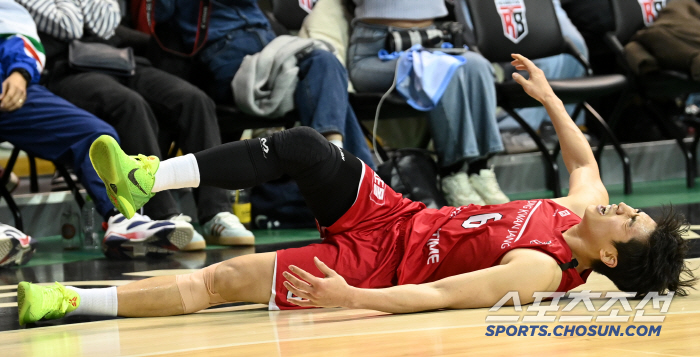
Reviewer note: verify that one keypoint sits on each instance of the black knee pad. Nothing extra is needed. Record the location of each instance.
(300, 148)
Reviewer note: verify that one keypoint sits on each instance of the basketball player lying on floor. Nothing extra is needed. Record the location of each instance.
(379, 250)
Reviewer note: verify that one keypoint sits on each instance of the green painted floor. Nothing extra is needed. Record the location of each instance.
(647, 194)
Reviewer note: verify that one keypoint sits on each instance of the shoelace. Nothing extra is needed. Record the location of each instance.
(227, 217)
(52, 296)
(146, 164)
(182, 217)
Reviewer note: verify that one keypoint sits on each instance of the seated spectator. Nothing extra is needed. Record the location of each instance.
(463, 123)
(142, 107)
(240, 28)
(46, 126)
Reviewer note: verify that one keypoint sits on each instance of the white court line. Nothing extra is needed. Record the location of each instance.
(8, 304)
(78, 283)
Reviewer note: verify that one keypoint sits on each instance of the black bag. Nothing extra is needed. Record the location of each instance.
(99, 57)
(413, 173)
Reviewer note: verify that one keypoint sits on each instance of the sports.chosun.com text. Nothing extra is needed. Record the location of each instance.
(573, 330)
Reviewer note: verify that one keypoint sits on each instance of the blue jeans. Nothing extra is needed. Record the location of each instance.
(51, 128)
(556, 67)
(321, 96)
(463, 124)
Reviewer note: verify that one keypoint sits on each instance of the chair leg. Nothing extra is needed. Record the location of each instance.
(620, 152)
(671, 130)
(553, 174)
(8, 169)
(612, 121)
(380, 149)
(16, 214)
(33, 177)
(71, 184)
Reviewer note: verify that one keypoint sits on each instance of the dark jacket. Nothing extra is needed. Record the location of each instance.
(673, 40)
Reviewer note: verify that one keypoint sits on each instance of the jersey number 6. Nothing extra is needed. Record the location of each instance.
(479, 219)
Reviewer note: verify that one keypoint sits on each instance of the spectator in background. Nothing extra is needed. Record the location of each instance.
(138, 107)
(46, 126)
(463, 124)
(239, 28)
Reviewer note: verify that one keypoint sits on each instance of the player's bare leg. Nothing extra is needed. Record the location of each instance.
(245, 278)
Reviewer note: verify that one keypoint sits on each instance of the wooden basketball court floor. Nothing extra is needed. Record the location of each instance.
(252, 330)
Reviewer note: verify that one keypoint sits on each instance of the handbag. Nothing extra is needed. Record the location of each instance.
(99, 57)
(413, 173)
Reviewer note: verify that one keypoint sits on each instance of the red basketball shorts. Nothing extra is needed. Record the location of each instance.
(364, 246)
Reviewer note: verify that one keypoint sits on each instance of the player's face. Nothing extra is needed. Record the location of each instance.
(618, 222)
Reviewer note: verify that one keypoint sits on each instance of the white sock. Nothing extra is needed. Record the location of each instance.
(96, 302)
(178, 172)
(338, 143)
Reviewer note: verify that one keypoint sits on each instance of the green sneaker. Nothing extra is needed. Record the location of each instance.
(128, 179)
(36, 302)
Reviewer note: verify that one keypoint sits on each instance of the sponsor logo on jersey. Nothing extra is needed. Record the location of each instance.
(564, 213)
(433, 252)
(378, 190)
(520, 222)
(307, 5)
(650, 10)
(535, 241)
(512, 18)
(290, 295)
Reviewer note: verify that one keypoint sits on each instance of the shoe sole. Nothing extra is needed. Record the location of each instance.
(165, 241)
(230, 240)
(192, 246)
(104, 154)
(21, 256)
(23, 293)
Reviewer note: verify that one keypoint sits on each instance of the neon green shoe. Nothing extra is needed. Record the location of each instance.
(36, 302)
(128, 179)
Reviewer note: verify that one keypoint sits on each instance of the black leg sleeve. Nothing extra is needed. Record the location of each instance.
(328, 177)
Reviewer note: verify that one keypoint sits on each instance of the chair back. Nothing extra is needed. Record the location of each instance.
(528, 27)
(291, 13)
(632, 15)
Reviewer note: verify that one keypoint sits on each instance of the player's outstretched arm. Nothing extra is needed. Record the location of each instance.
(585, 185)
(521, 270)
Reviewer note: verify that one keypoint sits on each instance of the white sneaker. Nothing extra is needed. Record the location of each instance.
(486, 186)
(140, 236)
(459, 192)
(226, 229)
(16, 248)
(197, 242)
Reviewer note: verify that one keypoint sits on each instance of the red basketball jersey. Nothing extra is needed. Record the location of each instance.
(451, 241)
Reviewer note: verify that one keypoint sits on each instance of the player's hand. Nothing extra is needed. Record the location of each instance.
(537, 86)
(14, 92)
(329, 291)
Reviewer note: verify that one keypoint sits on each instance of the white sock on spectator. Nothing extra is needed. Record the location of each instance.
(96, 302)
(178, 172)
(338, 143)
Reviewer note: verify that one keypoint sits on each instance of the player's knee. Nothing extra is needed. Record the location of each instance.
(197, 290)
(301, 146)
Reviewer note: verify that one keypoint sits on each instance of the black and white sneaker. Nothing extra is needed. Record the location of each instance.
(16, 248)
(141, 236)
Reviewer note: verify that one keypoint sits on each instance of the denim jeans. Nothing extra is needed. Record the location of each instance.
(463, 124)
(321, 96)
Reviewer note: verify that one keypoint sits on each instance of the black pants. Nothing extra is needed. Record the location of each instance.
(328, 177)
(146, 109)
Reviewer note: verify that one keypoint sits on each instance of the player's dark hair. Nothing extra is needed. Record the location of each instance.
(655, 264)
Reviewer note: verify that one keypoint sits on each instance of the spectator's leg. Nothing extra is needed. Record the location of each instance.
(180, 105)
(367, 72)
(464, 121)
(128, 112)
(321, 99)
(51, 128)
